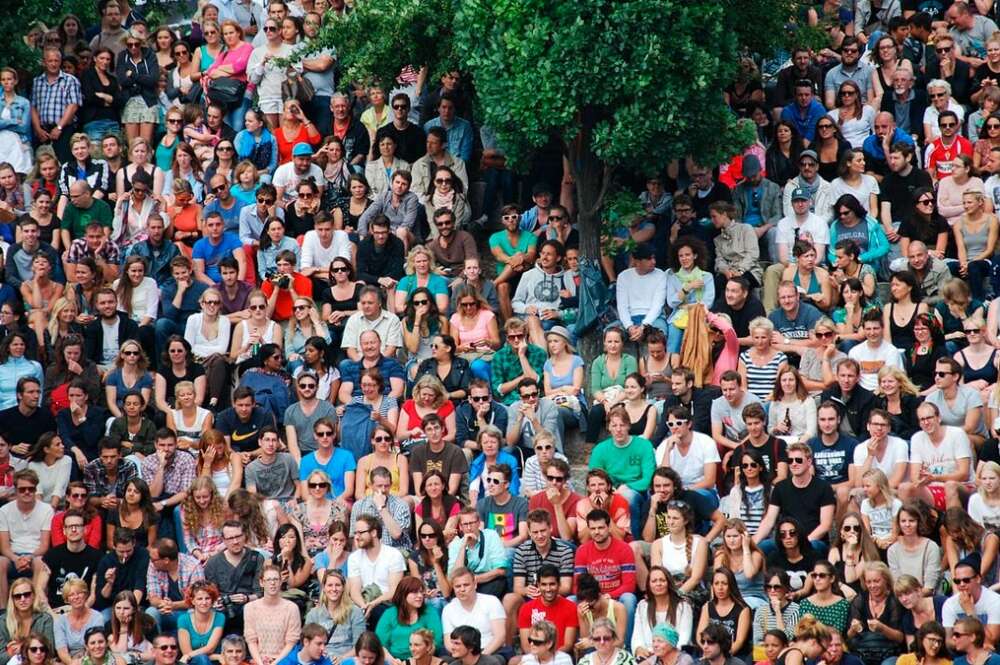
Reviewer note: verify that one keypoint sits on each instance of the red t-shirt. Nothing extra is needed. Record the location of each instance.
(93, 531)
(541, 500)
(614, 567)
(940, 157)
(283, 305)
(562, 613)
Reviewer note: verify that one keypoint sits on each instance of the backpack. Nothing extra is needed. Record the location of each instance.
(269, 391)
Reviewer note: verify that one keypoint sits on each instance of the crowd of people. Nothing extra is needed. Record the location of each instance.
(289, 369)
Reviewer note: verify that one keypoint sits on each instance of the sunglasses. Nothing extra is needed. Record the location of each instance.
(299, 308)
(174, 121)
(824, 126)
(515, 336)
(479, 398)
(26, 490)
(316, 486)
(130, 353)
(442, 181)
(22, 595)
(381, 439)
(401, 107)
(948, 125)
(265, 201)
(506, 217)
(270, 28)
(537, 642)
(78, 495)
(676, 423)
(788, 534)
(216, 190)
(936, 95)
(774, 587)
(426, 534)
(257, 307)
(825, 335)
(420, 303)
(942, 50)
(963, 580)
(796, 460)
(993, 125)
(556, 479)
(942, 374)
(544, 446)
(925, 202)
(38, 649)
(340, 269)
(494, 481)
(529, 395)
(601, 639)
(307, 386)
(211, 302)
(819, 576)
(750, 465)
(173, 647)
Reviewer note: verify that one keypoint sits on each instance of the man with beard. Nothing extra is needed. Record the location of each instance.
(906, 103)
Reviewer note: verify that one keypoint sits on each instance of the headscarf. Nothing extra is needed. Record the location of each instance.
(667, 632)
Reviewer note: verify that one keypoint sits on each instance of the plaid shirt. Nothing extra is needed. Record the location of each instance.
(506, 366)
(95, 477)
(51, 99)
(78, 249)
(177, 477)
(188, 572)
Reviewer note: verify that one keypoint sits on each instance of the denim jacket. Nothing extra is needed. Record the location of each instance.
(20, 117)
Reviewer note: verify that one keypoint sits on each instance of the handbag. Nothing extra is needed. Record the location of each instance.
(296, 86)
(227, 92)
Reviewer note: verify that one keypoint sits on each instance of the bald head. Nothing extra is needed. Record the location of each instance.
(885, 124)
(80, 194)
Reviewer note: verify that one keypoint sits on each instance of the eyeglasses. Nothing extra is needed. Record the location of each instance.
(556, 479)
(601, 639)
(947, 125)
(401, 107)
(359, 532)
(796, 460)
(73, 526)
(316, 486)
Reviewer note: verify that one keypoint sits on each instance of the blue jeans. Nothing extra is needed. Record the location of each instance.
(703, 502)
(167, 623)
(629, 600)
(97, 129)
(636, 503)
(234, 116)
(769, 547)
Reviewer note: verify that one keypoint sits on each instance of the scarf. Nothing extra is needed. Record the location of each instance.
(443, 200)
(686, 277)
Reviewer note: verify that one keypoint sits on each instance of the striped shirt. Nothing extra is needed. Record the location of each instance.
(760, 378)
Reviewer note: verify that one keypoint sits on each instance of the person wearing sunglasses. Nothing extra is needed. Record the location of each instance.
(138, 72)
(545, 643)
(478, 411)
(803, 496)
(947, 145)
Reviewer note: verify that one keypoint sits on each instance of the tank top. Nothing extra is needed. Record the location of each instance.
(352, 219)
(639, 426)
(729, 621)
(781, 659)
(975, 243)
(609, 615)
(193, 431)
(813, 287)
(675, 556)
(987, 372)
(266, 338)
(222, 479)
(760, 378)
(901, 335)
(207, 59)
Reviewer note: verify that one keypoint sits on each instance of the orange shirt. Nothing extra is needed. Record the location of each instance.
(283, 305)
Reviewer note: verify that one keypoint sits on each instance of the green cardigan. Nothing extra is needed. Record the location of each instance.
(395, 637)
(599, 377)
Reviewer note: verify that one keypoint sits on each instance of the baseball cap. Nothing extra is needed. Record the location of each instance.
(302, 150)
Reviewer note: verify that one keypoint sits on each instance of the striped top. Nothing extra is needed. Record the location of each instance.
(760, 378)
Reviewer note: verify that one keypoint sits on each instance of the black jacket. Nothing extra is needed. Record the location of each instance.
(855, 409)
(138, 79)
(917, 107)
(701, 404)
(93, 335)
(386, 263)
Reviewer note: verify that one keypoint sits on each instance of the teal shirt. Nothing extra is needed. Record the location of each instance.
(396, 637)
(599, 377)
(524, 242)
(631, 465)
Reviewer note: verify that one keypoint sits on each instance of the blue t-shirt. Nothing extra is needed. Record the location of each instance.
(230, 218)
(437, 285)
(831, 462)
(322, 560)
(799, 327)
(212, 254)
(337, 467)
(350, 371)
(115, 379)
(200, 640)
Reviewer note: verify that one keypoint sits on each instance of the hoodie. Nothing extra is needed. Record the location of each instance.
(540, 289)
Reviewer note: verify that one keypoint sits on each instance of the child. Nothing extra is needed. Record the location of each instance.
(984, 505)
(198, 134)
(879, 508)
(245, 188)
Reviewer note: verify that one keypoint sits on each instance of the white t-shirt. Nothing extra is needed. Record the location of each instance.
(691, 467)
(486, 609)
(285, 176)
(896, 452)
(855, 130)
(881, 517)
(389, 561)
(979, 510)
(987, 609)
(872, 360)
(109, 342)
(25, 530)
(862, 192)
(942, 458)
(314, 255)
(813, 228)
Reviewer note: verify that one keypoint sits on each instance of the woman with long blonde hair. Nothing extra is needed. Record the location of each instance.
(899, 397)
(218, 461)
(202, 516)
(25, 615)
(740, 554)
(343, 620)
(984, 505)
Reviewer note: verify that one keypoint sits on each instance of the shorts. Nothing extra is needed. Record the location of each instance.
(136, 111)
(270, 105)
(937, 494)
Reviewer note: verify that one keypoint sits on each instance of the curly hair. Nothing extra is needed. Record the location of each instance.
(194, 518)
(247, 508)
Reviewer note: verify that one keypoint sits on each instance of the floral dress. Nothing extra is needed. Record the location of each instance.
(315, 534)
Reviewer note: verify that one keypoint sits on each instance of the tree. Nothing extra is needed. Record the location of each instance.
(620, 84)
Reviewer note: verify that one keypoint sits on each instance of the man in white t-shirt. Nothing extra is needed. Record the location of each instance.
(320, 246)
(941, 470)
(875, 353)
(372, 564)
(25, 524)
(801, 224)
(888, 454)
(694, 456)
(972, 600)
(481, 611)
(288, 175)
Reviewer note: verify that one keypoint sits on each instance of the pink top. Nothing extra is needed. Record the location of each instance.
(730, 356)
(480, 333)
(271, 626)
(237, 58)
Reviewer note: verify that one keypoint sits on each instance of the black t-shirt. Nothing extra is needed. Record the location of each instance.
(898, 193)
(17, 428)
(129, 576)
(803, 503)
(411, 143)
(66, 565)
(925, 232)
(194, 370)
(773, 451)
(719, 192)
(243, 435)
(741, 318)
(798, 571)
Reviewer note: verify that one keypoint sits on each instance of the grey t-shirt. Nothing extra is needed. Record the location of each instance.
(731, 417)
(275, 480)
(503, 519)
(954, 415)
(303, 424)
(323, 81)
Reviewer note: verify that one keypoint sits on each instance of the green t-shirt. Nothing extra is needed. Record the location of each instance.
(631, 465)
(524, 242)
(75, 220)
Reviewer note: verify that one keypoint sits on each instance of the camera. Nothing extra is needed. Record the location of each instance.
(282, 281)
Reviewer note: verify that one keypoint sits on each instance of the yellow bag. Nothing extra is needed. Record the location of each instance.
(681, 320)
